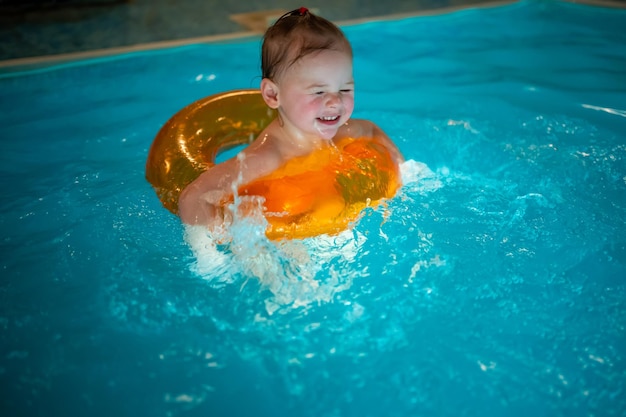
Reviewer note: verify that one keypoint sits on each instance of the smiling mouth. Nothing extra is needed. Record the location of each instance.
(329, 118)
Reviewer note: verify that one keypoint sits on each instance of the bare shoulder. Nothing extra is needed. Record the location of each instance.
(262, 156)
(360, 127)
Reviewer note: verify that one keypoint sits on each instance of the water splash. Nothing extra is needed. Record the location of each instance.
(298, 273)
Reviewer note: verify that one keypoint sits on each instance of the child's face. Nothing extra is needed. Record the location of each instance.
(316, 94)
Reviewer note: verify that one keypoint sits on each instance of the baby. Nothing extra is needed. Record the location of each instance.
(307, 77)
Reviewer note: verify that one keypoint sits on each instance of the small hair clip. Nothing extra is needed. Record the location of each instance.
(297, 12)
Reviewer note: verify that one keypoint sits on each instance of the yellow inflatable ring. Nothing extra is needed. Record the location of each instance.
(188, 143)
(311, 195)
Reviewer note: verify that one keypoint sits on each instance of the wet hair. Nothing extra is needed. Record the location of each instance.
(295, 35)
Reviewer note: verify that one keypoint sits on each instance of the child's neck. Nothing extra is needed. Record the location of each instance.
(302, 144)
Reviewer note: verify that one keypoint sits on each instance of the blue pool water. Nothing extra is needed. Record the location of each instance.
(494, 284)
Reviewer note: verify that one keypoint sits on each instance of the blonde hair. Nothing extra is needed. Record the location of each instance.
(295, 35)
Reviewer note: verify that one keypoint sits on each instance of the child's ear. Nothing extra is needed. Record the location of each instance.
(269, 91)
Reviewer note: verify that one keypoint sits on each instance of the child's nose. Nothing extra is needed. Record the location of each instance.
(333, 99)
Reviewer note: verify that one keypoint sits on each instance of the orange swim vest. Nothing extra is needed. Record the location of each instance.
(322, 192)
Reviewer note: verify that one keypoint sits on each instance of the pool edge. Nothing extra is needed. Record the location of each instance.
(42, 60)
(27, 62)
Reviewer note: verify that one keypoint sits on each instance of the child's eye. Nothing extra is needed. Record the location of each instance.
(347, 90)
(319, 93)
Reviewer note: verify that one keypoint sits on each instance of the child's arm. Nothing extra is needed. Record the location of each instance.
(200, 203)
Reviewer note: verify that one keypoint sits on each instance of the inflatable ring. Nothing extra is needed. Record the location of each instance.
(188, 143)
(322, 192)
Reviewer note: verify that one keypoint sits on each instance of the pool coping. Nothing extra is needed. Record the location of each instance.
(29, 62)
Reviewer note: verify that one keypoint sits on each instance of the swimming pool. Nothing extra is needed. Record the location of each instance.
(493, 285)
